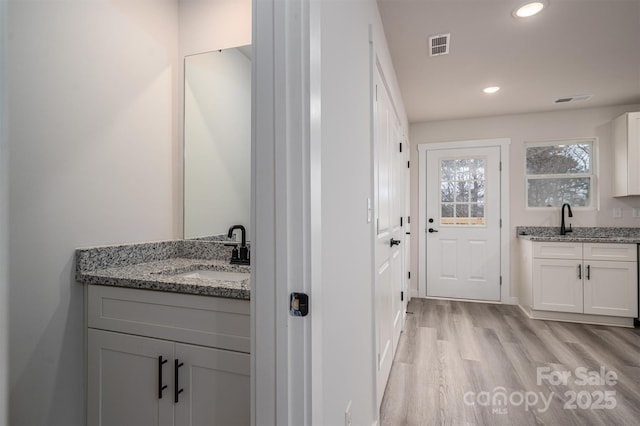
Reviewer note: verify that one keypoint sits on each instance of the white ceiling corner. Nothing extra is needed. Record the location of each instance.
(573, 47)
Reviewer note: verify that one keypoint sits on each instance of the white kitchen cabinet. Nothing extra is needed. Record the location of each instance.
(590, 282)
(557, 285)
(611, 288)
(205, 366)
(626, 155)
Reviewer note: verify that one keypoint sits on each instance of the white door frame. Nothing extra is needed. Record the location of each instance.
(285, 213)
(505, 251)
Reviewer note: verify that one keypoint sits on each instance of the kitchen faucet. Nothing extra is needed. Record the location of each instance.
(563, 229)
(243, 259)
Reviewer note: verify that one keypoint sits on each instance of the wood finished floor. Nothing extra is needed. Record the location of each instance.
(451, 348)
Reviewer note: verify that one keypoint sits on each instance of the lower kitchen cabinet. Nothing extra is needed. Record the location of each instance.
(611, 288)
(172, 374)
(581, 282)
(557, 285)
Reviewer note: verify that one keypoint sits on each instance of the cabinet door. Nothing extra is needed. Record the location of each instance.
(123, 380)
(216, 387)
(611, 288)
(557, 285)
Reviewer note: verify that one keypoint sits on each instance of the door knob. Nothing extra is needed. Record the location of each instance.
(393, 242)
(431, 230)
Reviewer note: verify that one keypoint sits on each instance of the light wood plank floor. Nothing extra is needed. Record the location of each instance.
(453, 354)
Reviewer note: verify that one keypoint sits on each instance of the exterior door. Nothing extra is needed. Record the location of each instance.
(463, 223)
(389, 208)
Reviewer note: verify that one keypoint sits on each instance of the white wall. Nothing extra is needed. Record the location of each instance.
(207, 25)
(347, 279)
(4, 181)
(521, 128)
(217, 142)
(91, 139)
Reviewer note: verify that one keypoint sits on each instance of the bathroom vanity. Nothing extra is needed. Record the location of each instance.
(589, 275)
(168, 334)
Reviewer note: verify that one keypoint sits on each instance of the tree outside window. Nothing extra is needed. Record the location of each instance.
(560, 172)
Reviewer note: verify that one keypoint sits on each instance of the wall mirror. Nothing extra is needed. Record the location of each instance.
(217, 142)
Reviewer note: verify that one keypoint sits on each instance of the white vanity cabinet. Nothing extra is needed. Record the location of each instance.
(626, 155)
(590, 282)
(157, 358)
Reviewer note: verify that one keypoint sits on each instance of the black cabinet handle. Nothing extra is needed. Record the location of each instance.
(176, 383)
(393, 242)
(588, 272)
(579, 272)
(161, 387)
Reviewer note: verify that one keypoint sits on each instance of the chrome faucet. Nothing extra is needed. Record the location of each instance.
(563, 229)
(243, 258)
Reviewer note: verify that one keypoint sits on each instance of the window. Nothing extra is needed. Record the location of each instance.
(560, 172)
(462, 191)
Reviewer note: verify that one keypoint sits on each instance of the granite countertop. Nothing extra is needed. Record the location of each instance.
(153, 266)
(580, 234)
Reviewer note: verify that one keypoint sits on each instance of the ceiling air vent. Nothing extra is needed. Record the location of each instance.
(573, 99)
(439, 44)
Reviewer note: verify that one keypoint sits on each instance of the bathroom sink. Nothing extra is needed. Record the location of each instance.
(211, 275)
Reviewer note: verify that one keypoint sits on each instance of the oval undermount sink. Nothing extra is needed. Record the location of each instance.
(207, 274)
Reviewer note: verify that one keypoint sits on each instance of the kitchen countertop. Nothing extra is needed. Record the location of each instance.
(152, 266)
(580, 234)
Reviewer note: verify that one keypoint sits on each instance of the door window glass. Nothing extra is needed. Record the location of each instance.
(462, 191)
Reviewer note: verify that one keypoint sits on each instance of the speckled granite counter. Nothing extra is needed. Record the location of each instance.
(152, 266)
(580, 235)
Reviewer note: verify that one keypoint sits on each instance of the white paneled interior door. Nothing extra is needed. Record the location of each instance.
(389, 208)
(463, 223)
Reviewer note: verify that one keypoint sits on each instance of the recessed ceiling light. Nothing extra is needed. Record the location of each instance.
(492, 89)
(528, 9)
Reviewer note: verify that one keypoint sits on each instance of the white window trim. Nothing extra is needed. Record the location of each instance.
(594, 200)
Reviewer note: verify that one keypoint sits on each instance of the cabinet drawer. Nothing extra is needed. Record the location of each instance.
(615, 252)
(556, 250)
(201, 320)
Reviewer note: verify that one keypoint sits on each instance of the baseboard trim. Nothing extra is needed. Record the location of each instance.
(577, 318)
(493, 302)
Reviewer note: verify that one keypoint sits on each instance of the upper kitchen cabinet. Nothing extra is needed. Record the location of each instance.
(626, 155)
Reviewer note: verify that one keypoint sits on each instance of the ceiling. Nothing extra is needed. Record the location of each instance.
(572, 47)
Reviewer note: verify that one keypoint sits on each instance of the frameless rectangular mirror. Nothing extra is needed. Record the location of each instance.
(217, 142)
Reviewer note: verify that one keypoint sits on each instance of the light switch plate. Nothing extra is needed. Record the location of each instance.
(636, 212)
(617, 212)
